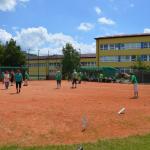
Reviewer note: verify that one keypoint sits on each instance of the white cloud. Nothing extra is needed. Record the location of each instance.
(38, 38)
(147, 30)
(32, 37)
(106, 21)
(85, 26)
(98, 10)
(4, 36)
(9, 5)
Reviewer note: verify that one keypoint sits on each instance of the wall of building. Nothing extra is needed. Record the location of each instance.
(48, 67)
(124, 56)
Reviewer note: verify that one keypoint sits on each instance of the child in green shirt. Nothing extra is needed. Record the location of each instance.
(58, 78)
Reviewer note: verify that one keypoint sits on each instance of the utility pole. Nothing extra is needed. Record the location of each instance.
(80, 56)
(38, 64)
(48, 65)
(28, 59)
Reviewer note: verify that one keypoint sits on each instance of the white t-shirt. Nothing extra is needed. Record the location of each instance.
(6, 77)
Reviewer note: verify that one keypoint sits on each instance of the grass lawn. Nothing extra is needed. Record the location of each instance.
(130, 143)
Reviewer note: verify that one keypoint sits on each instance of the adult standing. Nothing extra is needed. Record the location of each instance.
(134, 81)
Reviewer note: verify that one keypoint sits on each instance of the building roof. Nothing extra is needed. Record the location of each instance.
(90, 55)
(123, 35)
(35, 57)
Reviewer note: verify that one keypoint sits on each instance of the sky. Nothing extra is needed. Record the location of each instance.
(47, 25)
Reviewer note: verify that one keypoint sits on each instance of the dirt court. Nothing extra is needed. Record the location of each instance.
(42, 114)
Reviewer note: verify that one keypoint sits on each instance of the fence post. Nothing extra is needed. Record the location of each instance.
(142, 75)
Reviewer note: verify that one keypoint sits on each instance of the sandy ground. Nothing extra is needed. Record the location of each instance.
(42, 114)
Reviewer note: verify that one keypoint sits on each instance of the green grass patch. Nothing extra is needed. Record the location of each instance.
(130, 143)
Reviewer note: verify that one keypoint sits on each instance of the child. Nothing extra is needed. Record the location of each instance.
(18, 79)
(101, 77)
(74, 79)
(12, 78)
(58, 78)
(6, 79)
(26, 79)
(79, 77)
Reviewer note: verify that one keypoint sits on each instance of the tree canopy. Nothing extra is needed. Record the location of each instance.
(11, 54)
(140, 65)
(71, 60)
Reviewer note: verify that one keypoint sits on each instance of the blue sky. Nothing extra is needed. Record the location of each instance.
(47, 25)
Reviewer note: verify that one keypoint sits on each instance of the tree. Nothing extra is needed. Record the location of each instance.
(140, 65)
(13, 56)
(71, 60)
(1, 54)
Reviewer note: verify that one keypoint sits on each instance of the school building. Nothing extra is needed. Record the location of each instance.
(118, 51)
(42, 67)
(122, 51)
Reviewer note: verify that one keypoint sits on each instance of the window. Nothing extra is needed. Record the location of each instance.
(122, 46)
(109, 59)
(112, 46)
(145, 45)
(143, 58)
(106, 47)
(124, 58)
(117, 46)
(133, 58)
(132, 45)
(101, 47)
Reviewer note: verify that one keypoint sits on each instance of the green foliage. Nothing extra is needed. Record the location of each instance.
(11, 54)
(140, 65)
(71, 60)
(1, 54)
(130, 143)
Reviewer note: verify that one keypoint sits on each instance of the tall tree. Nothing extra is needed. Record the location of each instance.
(71, 60)
(13, 56)
(1, 54)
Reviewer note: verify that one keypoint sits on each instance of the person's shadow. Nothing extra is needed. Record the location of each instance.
(13, 93)
(133, 97)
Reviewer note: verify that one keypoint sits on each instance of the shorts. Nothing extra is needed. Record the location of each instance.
(135, 87)
(18, 84)
(74, 81)
(59, 82)
(12, 80)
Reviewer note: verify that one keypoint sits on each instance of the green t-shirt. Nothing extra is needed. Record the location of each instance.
(101, 76)
(75, 75)
(18, 77)
(58, 76)
(133, 79)
(26, 76)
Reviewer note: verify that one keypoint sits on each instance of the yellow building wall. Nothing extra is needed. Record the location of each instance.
(125, 52)
(49, 69)
(88, 60)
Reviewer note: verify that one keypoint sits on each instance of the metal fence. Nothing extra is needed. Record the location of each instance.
(143, 76)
